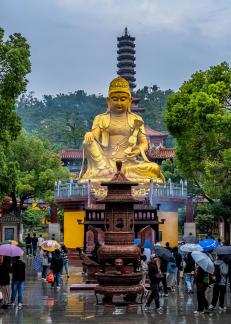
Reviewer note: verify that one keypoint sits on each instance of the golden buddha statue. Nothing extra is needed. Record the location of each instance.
(116, 135)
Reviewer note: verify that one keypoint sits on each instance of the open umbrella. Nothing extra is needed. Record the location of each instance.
(10, 250)
(208, 245)
(148, 244)
(190, 239)
(203, 261)
(190, 247)
(137, 241)
(50, 245)
(163, 253)
(227, 258)
(223, 250)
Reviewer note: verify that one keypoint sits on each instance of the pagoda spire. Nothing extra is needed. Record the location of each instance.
(126, 58)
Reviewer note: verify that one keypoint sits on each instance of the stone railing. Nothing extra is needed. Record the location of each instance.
(169, 189)
(70, 190)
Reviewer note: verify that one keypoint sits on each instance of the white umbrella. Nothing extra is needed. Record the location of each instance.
(190, 247)
(203, 261)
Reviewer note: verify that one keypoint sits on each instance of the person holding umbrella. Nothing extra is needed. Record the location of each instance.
(165, 256)
(5, 281)
(154, 276)
(205, 268)
(189, 272)
(56, 266)
(220, 280)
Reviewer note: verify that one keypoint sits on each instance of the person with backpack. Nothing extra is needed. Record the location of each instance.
(189, 272)
(220, 280)
(56, 266)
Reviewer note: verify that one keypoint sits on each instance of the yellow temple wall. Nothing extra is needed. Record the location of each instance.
(73, 231)
(170, 228)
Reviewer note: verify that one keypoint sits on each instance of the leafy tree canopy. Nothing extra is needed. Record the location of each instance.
(198, 116)
(14, 66)
(37, 168)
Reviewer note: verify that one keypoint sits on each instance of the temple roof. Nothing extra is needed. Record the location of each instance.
(152, 132)
(162, 153)
(71, 154)
(77, 154)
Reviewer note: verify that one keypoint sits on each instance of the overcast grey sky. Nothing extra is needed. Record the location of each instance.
(73, 42)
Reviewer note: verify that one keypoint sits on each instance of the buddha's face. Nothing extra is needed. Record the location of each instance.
(119, 102)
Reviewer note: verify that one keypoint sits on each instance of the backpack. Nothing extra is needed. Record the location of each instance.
(50, 277)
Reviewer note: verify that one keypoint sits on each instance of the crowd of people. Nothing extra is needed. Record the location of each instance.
(44, 263)
(165, 277)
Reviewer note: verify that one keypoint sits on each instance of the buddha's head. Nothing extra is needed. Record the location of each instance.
(119, 96)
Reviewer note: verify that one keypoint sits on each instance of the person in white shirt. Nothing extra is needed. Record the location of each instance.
(40, 240)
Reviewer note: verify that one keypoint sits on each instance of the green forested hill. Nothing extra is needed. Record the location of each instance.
(63, 119)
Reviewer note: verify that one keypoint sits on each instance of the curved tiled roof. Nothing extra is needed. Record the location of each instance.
(152, 132)
(162, 153)
(71, 154)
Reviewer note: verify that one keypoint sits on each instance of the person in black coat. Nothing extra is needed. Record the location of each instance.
(202, 283)
(18, 271)
(5, 281)
(154, 277)
(178, 259)
(57, 266)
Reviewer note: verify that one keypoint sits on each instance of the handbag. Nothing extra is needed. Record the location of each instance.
(50, 277)
(206, 279)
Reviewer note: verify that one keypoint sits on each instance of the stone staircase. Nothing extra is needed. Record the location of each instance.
(74, 258)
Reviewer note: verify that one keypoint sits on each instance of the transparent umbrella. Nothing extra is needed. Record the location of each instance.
(203, 261)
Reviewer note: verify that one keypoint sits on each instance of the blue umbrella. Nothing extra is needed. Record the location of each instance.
(137, 241)
(208, 245)
(148, 245)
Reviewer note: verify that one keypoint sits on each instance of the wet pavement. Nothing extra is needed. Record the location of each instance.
(45, 305)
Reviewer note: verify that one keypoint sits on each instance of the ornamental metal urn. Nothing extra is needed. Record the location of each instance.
(119, 250)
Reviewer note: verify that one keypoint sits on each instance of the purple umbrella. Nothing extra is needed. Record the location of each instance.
(10, 250)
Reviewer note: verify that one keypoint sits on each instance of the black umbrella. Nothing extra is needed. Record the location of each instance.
(163, 253)
(227, 258)
(190, 239)
(223, 250)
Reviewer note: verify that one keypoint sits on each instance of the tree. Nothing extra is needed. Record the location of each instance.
(198, 116)
(153, 100)
(33, 217)
(14, 66)
(170, 170)
(38, 167)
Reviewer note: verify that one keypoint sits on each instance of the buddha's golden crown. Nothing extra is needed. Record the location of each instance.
(119, 84)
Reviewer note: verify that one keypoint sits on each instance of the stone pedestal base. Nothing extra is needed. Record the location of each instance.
(189, 228)
(129, 292)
